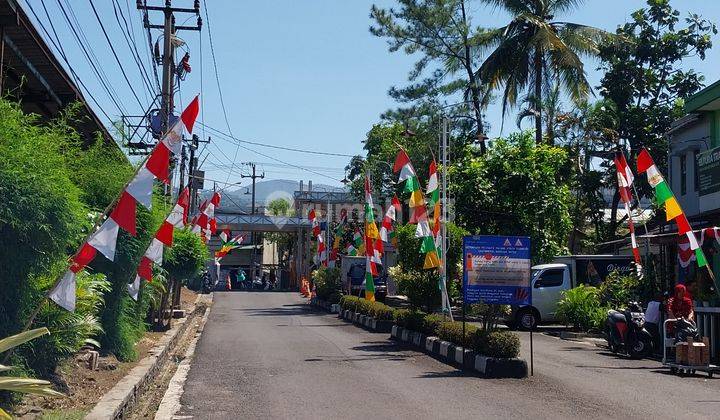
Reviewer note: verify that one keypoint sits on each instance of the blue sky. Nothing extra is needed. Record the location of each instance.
(298, 74)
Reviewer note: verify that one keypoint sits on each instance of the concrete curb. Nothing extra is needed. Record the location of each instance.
(466, 359)
(333, 308)
(120, 399)
(367, 322)
(170, 403)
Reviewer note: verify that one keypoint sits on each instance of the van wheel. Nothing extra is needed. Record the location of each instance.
(527, 319)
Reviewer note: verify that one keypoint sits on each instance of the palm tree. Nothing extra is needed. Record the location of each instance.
(549, 109)
(533, 47)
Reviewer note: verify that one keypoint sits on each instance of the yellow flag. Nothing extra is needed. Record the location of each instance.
(371, 230)
(672, 208)
(431, 260)
(416, 199)
(370, 296)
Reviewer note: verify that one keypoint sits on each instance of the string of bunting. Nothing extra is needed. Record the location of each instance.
(123, 214)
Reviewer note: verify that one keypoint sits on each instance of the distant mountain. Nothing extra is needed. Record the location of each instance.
(265, 192)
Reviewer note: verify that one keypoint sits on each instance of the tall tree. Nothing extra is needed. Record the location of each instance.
(441, 32)
(533, 48)
(645, 79)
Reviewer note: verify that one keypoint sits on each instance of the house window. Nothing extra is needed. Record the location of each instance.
(683, 175)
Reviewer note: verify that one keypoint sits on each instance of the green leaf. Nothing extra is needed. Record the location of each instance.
(18, 339)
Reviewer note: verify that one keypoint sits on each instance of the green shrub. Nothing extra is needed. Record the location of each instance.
(420, 287)
(409, 319)
(347, 302)
(618, 289)
(502, 343)
(581, 307)
(432, 322)
(452, 331)
(327, 282)
(381, 311)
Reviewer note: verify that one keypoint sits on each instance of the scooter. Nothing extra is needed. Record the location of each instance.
(626, 332)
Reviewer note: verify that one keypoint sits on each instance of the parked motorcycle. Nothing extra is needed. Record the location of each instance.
(626, 332)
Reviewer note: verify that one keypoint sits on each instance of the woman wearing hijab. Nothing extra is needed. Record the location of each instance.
(680, 305)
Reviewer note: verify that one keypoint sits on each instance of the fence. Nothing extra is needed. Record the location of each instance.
(708, 324)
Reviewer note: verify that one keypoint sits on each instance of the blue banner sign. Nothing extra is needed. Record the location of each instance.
(496, 270)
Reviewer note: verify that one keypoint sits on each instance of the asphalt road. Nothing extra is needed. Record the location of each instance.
(265, 355)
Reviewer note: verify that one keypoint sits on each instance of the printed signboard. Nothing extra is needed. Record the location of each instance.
(496, 270)
(708, 167)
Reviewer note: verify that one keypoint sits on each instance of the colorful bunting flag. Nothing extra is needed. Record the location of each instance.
(664, 196)
(372, 256)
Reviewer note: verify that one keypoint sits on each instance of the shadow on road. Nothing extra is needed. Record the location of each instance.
(449, 374)
(376, 346)
(286, 310)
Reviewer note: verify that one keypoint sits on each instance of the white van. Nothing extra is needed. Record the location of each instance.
(550, 280)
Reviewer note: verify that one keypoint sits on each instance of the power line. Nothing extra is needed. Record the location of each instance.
(131, 45)
(112, 49)
(217, 81)
(89, 54)
(272, 146)
(67, 63)
(279, 160)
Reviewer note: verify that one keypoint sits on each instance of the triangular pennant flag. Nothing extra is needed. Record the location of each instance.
(144, 269)
(672, 209)
(173, 138)
(662, 193)
(401, 160)
(105, 239)
(64, 292)
(165, 233)
(644, 161)
(159, 163)
(177, 216)
(141, 187)
(700, 255)
(124, 213)
(155, 251)
(184, 203)
(431, 260)
(83, 257)
(189, 115)
(134, 288)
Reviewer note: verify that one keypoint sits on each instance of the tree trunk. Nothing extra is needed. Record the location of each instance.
(474, 88)
(538, 96)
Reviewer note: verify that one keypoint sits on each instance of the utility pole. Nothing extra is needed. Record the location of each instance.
(168, 55)
(254, 176)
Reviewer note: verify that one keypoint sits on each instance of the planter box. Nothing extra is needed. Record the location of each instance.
(458, 356)
(370, 323)
(330, 307)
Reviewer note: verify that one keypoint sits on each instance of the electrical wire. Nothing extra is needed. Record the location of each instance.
(114, 53)
(272, 146)
(89, 54)
(217, 80)
(278, 160)
(132, 47)
(70, 68)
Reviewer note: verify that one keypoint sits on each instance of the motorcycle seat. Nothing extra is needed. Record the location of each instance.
(616, 316)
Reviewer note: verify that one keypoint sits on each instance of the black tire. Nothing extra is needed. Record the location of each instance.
(673, 370)
(639, 347)
(526, 319)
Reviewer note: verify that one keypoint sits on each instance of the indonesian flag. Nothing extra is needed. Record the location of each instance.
(386, 228)
(625, 179)
(314, 221)
(163, 237)
(664, 196)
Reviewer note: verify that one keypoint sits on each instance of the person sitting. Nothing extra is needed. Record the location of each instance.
(680, 305)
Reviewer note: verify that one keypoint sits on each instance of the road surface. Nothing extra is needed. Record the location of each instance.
(264, 355)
